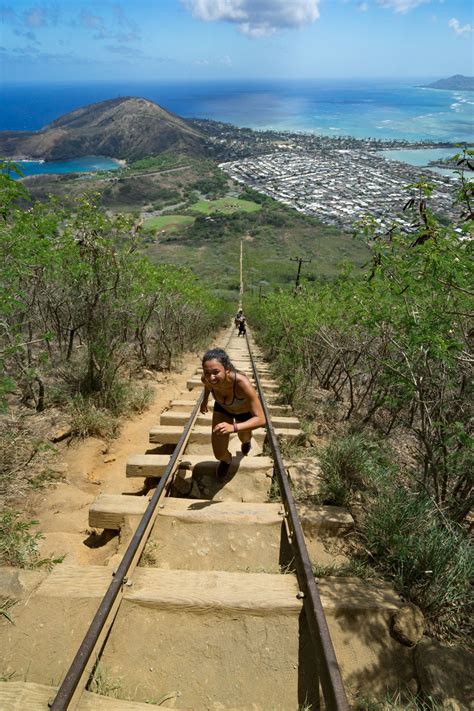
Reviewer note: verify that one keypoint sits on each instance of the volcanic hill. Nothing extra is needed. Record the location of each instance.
(127, 127)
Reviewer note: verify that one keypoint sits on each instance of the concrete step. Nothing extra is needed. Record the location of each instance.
(164, 434)
(209, 535)
(180, 419)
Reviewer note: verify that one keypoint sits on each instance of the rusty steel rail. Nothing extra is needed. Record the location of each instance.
(98, 626)
(329, 673)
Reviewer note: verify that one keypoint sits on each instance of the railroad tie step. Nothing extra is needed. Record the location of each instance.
(201, 590)
(267, 384)
(239, 591)
(164, 434)
(187, 406)
(27, 696)
(180, 419)
(154, 465)
(110, 510)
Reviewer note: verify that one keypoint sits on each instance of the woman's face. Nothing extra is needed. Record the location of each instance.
(214, 372)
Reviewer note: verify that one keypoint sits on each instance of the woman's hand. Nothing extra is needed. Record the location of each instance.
(223, 428)
(204, 408)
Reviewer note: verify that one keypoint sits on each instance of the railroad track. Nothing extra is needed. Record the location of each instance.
(213, 603)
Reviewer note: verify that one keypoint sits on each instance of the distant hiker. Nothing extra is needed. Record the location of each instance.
(238, 316)
(242, 326)
(236, 406)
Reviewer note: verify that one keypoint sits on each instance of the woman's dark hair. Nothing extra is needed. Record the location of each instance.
(220, 355)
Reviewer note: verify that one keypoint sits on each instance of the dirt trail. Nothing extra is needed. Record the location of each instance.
(92, 467)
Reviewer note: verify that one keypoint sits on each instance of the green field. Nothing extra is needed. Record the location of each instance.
(167, 222)
(225, 205)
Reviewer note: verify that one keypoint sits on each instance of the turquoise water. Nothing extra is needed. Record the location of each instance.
(384, 109)
(88, 164)
(420, 157)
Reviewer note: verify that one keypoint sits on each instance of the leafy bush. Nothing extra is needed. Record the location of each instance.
(393, 347)
(79, 301)
(18, 546)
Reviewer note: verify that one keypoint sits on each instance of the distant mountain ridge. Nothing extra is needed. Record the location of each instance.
(124, 128)
(456, 82)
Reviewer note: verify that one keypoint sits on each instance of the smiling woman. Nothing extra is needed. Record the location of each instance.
(236, 407)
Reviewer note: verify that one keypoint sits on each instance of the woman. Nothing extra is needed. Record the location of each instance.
(236, 407)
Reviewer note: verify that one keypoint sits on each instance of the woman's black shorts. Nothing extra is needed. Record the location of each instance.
(238, 417)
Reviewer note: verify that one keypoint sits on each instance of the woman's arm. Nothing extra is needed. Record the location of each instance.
(207, 391)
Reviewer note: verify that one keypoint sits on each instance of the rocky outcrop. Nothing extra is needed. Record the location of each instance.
(407, 625)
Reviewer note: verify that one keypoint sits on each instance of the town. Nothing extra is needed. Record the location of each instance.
(340, 186)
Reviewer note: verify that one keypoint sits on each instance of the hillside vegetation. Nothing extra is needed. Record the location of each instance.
(387, 357)
(81, 311)
(170, 193)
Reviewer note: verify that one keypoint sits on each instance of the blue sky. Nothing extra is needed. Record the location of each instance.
(76, 41)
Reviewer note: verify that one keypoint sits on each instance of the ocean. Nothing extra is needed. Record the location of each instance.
(386, 110)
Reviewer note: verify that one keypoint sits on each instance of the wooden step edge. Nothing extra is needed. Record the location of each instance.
(203, 590)
(210, 590)
(28, 696)
(189, 404)
(110, 511)
(154, 465)
(170, 418)
(170, 434)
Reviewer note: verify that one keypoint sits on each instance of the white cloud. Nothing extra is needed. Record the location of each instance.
(256, 18)
(456, 26)
(363, 6)
(402, 6)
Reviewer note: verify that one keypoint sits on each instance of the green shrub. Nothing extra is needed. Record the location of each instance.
(88, 420)
(429, 559)
(18, 546)
(349, 464)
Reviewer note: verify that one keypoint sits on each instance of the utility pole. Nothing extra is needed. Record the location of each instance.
(300, 261)
(241, 291)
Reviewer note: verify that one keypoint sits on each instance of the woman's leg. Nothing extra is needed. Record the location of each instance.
(220, 443)
(245, 436)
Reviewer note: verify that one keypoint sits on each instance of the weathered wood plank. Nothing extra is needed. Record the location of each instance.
(164, 434)
(153, 465)
(180, 418)
(259, 593)
(187, 405)
(109, 511)
(27, 696)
